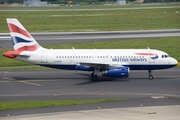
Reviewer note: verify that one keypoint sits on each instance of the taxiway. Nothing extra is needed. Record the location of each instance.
(61, 84)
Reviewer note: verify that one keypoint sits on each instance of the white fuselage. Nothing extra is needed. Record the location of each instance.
(134, 58)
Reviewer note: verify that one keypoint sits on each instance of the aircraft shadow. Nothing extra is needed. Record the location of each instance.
(101, 79)
(45, 78)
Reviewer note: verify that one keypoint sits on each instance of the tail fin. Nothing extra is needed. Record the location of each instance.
(21, 39)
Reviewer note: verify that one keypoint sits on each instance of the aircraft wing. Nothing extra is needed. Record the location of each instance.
(103, 65)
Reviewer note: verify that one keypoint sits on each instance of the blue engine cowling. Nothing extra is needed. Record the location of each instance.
(117, 72)
(84, 68)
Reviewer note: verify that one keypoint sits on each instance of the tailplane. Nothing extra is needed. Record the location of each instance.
(21, 38)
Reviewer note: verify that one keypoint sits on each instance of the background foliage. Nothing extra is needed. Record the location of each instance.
(88, 1)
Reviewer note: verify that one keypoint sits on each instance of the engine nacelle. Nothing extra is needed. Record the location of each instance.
(84, 68)
(117, 72)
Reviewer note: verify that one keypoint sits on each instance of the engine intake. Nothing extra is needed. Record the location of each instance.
(116, 72)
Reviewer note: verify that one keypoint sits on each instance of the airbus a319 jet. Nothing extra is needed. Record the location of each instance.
(115, 63)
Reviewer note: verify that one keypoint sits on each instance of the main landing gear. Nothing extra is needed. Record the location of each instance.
(93, 76)
(150, 74)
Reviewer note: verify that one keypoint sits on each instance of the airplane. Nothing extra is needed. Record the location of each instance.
(115, 63)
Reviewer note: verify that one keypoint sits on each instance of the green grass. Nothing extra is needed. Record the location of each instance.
(99, 20)
(50, 103)
(26, 67)
(169, 45)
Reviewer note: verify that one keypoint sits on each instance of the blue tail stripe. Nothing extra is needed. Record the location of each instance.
(19, 40)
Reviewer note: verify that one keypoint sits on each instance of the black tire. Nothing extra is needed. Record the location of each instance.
(93, 78)
(92, 74)
(150, 77)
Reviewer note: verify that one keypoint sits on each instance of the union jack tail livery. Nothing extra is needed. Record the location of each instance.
(21, 39)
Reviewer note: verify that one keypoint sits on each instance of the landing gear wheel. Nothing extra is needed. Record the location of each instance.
(92, 74)
(150, 74)
(150, 77)
(93, 77)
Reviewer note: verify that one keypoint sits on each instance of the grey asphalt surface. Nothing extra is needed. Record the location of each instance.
(75, 37)
(62, 85)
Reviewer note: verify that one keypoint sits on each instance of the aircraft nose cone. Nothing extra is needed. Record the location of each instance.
(175, 62)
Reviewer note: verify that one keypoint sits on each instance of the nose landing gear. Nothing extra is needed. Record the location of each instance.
(150, 74)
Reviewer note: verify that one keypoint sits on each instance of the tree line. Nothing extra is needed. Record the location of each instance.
(88, 1)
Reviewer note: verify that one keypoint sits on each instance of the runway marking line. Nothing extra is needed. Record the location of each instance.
(21, 81)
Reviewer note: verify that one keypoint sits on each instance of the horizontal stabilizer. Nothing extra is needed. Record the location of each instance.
(14, 54)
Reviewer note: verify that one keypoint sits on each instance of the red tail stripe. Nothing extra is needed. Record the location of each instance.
(14, 28)
(151, 54)
(28, 48)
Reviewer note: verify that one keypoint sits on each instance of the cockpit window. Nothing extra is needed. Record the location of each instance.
(165, 56)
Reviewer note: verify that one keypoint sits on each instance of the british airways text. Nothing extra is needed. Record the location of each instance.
(129, 59)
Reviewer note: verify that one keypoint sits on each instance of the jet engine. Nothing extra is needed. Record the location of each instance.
(117, 72)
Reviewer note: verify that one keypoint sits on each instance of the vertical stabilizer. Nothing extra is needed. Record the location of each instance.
(21, 39)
